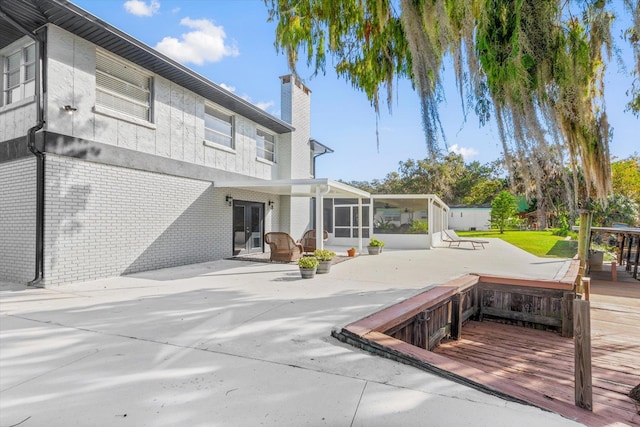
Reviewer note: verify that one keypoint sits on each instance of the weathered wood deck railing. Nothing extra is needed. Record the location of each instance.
(440, 317)
(541, 304)
(407, 331)
(440, 312)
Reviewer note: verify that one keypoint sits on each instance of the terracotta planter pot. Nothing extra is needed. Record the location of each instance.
(351, 252)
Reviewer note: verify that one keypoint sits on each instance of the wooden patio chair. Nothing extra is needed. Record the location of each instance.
(308, 240)
(450, 236)
(283, 247)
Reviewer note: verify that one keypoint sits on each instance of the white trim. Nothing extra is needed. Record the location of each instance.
(286, 187)
(217, 146)
(20, 49)
(17, 104)
(265, 161)
(99, 109)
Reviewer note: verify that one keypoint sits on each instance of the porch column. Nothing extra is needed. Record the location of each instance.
(360, 221)
(430, 221)
(319, 218)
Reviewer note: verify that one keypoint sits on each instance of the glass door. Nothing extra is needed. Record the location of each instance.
(248, 227)
(346, 221)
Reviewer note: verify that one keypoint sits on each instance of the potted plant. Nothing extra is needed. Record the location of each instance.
(308, 266)
(324, 258)
(351, 252)
(375, 246)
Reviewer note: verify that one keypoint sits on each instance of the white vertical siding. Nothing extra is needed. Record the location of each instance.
(176, 131)
(468, 218)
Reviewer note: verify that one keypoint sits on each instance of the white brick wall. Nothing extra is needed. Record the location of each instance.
(103, 221)
(300, 216)
(17, 220)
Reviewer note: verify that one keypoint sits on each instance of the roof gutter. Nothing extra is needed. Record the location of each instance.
(31, 145)
(314, 144)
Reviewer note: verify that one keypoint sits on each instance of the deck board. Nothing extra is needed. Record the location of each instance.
(542, 361)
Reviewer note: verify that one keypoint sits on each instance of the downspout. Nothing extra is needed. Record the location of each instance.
(315, 156)
(31, 145)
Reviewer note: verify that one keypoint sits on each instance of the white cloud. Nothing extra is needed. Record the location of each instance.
(142, 8)
(227, 87)
(265, 105)
(175, 10)
(206, 43)
(465, 152)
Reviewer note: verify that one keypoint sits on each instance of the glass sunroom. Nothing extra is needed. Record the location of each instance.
(403, 221)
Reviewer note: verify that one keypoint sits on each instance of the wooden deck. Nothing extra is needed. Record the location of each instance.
(542, 362)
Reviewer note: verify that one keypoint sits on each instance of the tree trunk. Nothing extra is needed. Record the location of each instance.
(542, 214)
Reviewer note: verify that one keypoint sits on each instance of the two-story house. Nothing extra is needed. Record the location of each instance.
(116, 159)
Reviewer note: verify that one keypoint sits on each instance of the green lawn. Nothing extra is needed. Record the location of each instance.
(539, 243)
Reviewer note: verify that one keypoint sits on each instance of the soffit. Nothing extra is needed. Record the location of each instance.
(297, 187)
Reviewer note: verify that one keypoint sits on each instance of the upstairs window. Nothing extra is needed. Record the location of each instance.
(122, 88)
(19, 75)
(265, 146)
(218, 127)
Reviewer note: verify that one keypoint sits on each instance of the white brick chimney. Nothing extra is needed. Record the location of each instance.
(295, 153)
(296, 110)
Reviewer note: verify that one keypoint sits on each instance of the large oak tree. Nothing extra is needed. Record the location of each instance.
(537, 66)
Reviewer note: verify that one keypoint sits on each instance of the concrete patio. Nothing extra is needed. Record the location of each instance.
(239, 343)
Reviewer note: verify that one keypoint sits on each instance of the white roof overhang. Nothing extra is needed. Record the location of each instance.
(297, 187)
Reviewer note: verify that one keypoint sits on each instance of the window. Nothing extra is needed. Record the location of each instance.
(218, 127)
(122, 88)
(19, 75)
(346, 220)
(265, 145)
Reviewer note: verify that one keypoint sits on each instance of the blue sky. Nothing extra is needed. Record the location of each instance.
(231, 43)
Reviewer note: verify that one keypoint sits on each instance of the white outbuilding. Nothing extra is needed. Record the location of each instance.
(470, 217)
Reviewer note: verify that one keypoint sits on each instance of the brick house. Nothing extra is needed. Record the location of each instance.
(131, 151)
(116, 159)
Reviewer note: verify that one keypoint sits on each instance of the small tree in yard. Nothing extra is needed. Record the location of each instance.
(503, 207)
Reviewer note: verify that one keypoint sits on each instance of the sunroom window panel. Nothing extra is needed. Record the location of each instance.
(342, 217)
(342, 232)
